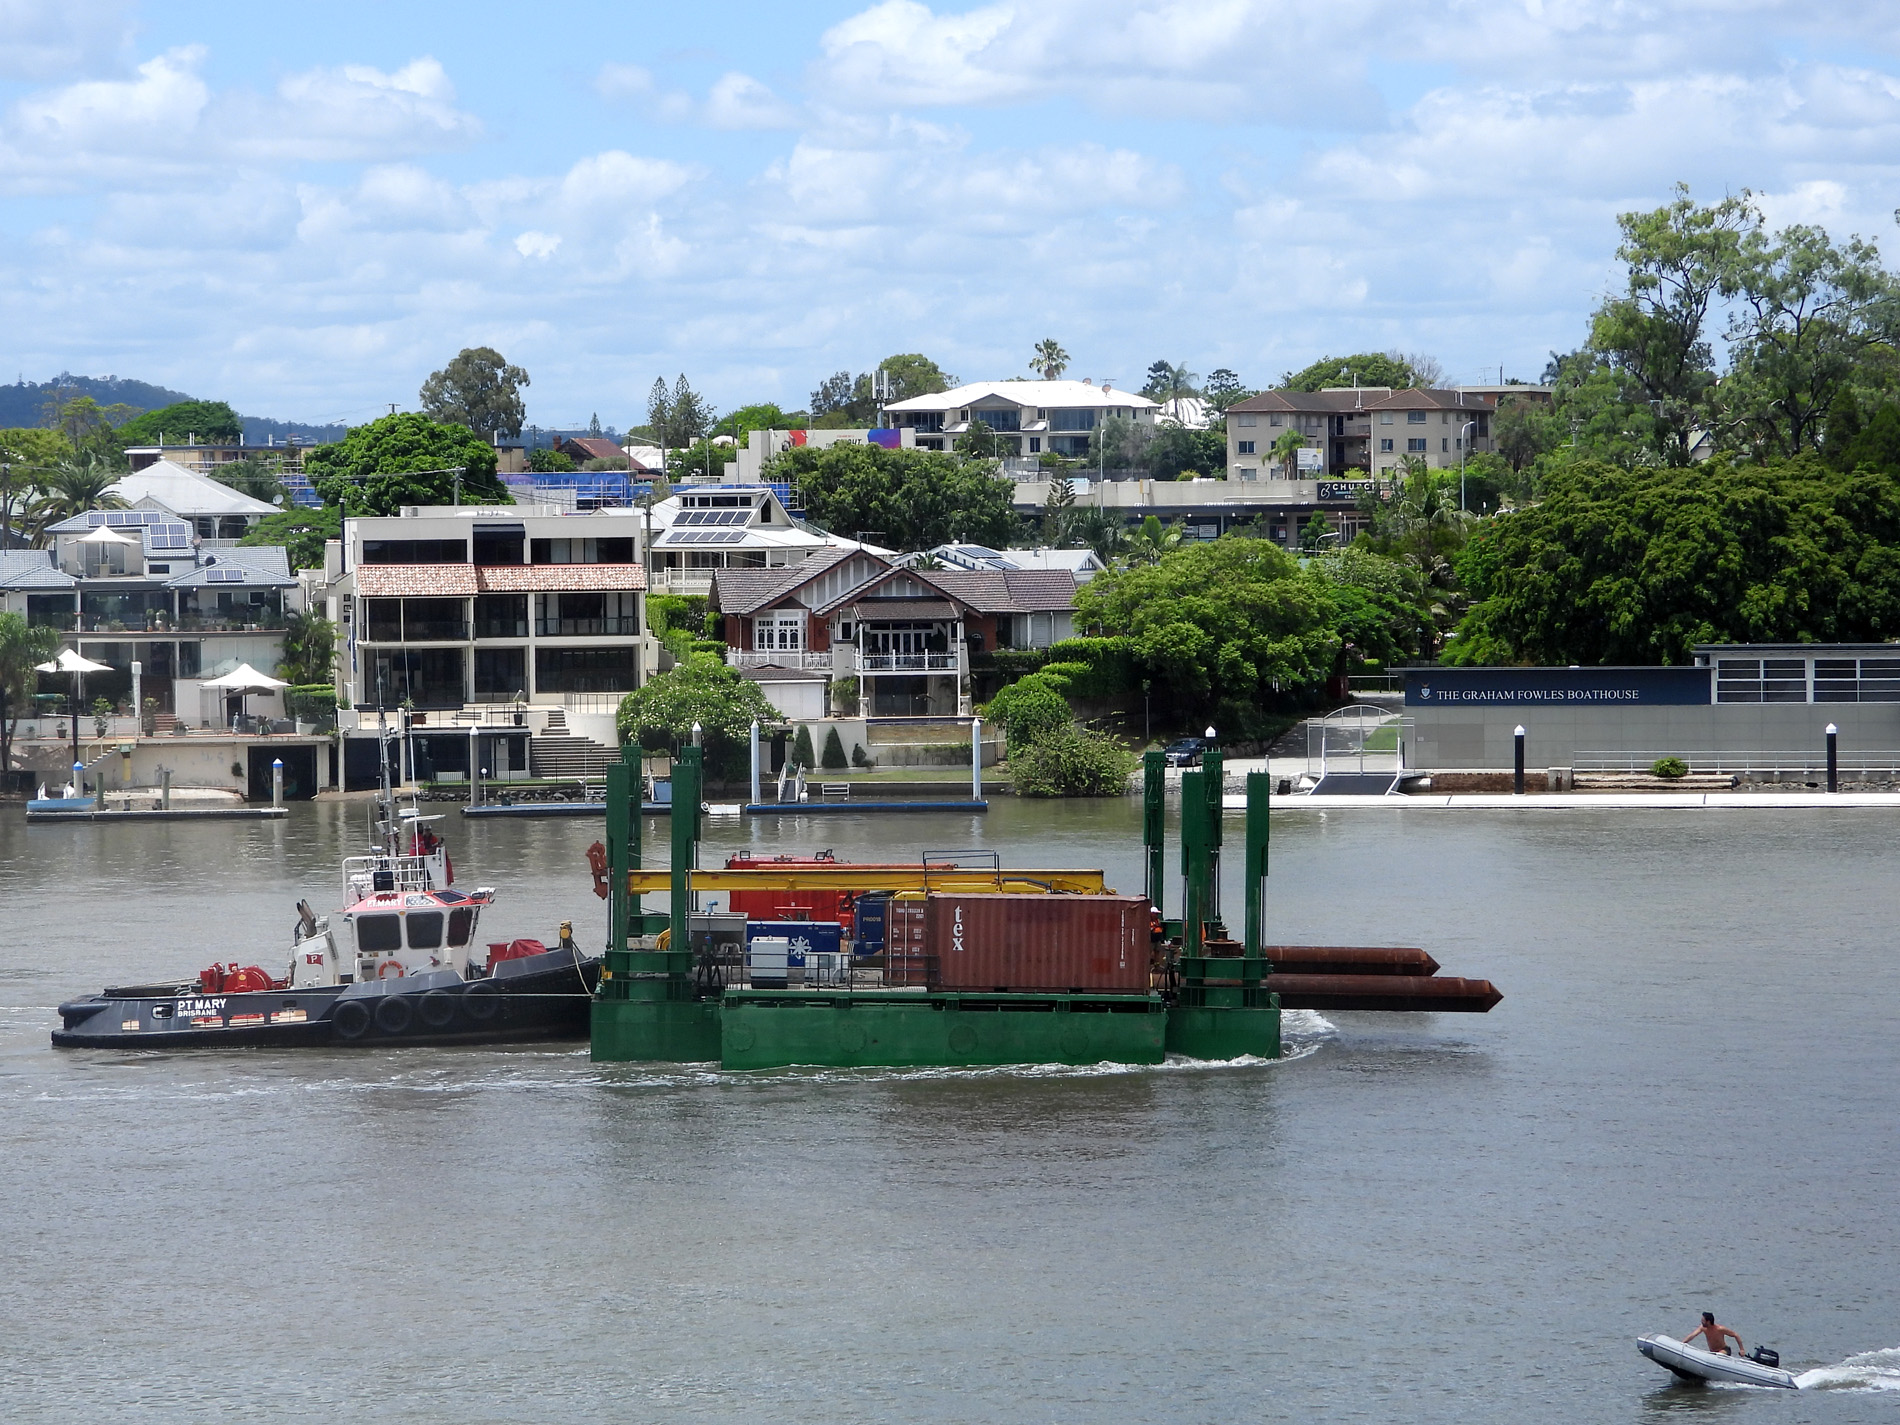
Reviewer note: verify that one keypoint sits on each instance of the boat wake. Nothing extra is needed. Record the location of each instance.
(1871, 1370)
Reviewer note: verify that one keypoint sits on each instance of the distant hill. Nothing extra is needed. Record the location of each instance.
(261, 430)
(24, 403)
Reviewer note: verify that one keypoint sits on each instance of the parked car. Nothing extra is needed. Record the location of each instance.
(1185, 751)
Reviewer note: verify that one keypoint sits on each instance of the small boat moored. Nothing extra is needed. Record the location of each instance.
(1760, 1367)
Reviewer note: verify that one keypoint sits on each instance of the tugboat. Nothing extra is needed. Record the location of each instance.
(399, 964)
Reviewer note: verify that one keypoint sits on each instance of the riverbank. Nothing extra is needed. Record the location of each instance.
(1585, 801)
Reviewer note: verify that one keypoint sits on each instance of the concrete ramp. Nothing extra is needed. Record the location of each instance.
(1357, 784)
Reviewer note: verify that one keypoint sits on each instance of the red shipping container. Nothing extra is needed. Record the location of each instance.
(1095, 944)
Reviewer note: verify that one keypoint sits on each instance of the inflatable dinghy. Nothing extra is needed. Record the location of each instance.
(1694, 1363)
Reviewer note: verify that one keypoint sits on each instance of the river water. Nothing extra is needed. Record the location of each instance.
(1686, 1100)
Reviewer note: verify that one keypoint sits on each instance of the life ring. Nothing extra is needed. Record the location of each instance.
(482, 1000)
(597, 864)
(351, 1019)
(437, 1008)
(394, 1014)
(391, 969)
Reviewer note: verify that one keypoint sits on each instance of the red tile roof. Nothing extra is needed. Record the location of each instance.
(560, 578)
(382, 581)
(450, 581)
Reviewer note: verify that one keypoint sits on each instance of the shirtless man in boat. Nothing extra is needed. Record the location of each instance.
(1715, 1335)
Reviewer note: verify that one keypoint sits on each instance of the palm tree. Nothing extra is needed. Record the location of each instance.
(1100, 530)
(23, 647)
(72, 488)
(1152, 541)
(1050, 359)
(1286, 450)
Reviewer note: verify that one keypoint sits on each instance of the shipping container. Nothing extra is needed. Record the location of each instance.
(806, 937)
(906, 961)
(812, 904)
(869, 922)
(1064, 944)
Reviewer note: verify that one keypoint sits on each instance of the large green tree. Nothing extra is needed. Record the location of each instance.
(478, 389)
(703, 690)
(1638, 566)
(1226, 626)
(207, 422)
(405, 459)
(905, 499)
(302, 532)
(1366, 368)
(1681, 258)
(1806, 315)
(309, 654)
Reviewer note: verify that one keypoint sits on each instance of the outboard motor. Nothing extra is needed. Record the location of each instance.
(1762, 1356)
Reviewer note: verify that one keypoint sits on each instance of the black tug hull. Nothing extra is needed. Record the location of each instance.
(541, 997)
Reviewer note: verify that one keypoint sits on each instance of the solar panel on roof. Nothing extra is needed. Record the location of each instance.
(225, 576)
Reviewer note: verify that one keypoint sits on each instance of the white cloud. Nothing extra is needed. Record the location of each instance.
(623, 81)
(166, 121)
(738, 101)
(40, 38)
(537, 245)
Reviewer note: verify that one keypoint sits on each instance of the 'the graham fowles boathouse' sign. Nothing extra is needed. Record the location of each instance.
(1558, 687)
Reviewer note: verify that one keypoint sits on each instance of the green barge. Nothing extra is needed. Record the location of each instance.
(1209, 1000)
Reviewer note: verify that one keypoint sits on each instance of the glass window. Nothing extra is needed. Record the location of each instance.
(1385, 445)
(1415, 418)
(1246, 447)
(1072, 420)
(1273, 420)
(377, 934)
(1249, 420)
(461, 925)
(1416, 445)
(1385, 418)
(414, 551)
(1004, 420)
(425, 929)
(585, 670)
(1444, 445)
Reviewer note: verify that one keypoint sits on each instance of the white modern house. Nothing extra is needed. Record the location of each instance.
(702, 529)
(1031, 417)
(217, 514)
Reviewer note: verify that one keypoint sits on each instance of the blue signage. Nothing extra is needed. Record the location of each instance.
(1556, 687)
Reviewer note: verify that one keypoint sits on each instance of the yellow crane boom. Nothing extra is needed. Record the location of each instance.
(967, 880)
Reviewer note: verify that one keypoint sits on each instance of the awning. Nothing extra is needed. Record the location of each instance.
(885, 610)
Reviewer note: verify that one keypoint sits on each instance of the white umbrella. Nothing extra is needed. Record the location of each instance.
(105, 535)
(245, 679)
(70, 661)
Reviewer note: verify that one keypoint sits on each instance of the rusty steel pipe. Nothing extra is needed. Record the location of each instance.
(1409, 993)
(1348, 960)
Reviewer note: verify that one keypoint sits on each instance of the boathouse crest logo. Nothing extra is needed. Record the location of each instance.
(1425, 692)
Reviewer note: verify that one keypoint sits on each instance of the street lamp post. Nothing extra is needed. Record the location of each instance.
(1464, 458)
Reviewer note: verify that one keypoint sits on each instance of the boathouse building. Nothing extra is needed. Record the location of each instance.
(1757, 709)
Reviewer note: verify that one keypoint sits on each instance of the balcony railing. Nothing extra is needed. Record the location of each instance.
(418, 631)
(909, 662)
(778, 658)
(682, 581)
(624, 624)
(501, 628)
(229, 623)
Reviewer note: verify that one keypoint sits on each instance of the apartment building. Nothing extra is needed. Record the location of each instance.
(1358, 432)
(453, 607)
(1031, 417)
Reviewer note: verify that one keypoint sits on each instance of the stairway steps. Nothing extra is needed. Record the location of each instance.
(567, 755)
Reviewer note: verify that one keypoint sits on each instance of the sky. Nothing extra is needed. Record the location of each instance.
(305, 210)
